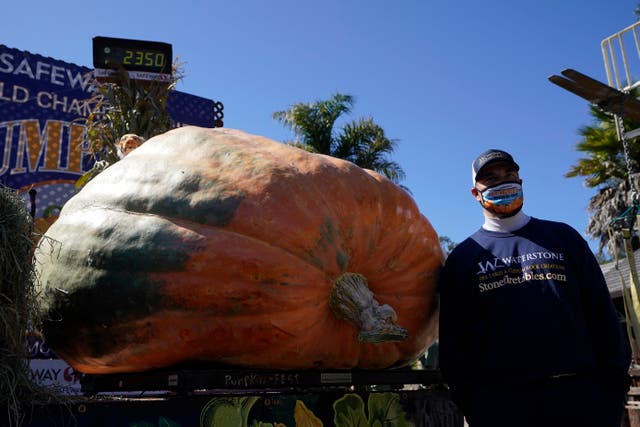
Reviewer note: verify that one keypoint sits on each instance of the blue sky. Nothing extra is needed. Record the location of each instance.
(446, 79)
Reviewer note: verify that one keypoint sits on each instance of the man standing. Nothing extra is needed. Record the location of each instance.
(528, 333)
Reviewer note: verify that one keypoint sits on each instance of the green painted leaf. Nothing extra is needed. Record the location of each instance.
(227, 411)
(348, 411)
(385, 410)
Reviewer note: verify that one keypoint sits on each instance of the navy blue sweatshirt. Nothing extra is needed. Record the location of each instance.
(524, 306)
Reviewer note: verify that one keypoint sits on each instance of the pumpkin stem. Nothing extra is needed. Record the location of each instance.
(351, 299)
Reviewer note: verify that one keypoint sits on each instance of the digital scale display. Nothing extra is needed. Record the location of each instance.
(132, 55)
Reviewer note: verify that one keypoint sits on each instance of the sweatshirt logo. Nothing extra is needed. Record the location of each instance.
(504, 262)
(513, 270)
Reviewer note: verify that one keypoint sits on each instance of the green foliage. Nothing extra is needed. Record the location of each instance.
(447, 244)
(606, 167)
(361, 141)
(605, 163)
(124, 106)
(364, 143)
(313, 123)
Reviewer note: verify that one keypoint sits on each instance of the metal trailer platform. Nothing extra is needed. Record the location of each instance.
(185, 381)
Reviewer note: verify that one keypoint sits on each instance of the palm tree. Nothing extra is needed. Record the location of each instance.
(361, 141)
(610, 170)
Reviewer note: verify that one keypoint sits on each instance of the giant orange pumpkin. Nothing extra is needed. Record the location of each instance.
(214, 245)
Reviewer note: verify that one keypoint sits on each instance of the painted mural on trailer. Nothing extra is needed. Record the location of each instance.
(43, 102)
(413, 408)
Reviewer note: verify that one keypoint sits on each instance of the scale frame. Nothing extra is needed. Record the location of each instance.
(141, 59)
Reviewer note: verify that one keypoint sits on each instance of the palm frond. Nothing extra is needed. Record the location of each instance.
(606, 167)
(362, 141)
(313, 123)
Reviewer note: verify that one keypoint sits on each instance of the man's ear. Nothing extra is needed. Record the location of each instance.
(476, 194)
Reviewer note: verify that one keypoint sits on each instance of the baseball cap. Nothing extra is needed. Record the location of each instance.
(488, 157)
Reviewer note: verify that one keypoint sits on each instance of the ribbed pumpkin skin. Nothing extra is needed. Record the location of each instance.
(220, 246)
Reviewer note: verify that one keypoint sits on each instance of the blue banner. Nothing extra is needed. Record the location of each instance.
(43, 104)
